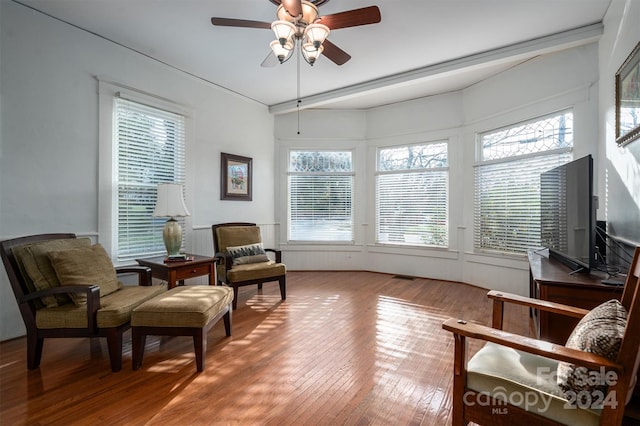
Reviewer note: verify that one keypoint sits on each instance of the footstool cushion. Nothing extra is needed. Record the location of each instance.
(181, 311)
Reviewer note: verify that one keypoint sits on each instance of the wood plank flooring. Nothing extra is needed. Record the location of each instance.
(353, 348)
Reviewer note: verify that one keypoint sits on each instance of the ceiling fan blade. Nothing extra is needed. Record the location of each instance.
(230, 22)
(269, 61)
(333, 52)
(352, 18)
(293, 7)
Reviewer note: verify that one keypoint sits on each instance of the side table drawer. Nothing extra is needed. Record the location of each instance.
(192, 271)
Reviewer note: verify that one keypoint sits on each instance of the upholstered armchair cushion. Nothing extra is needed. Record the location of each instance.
(599, 332)
(525, 380)
(33, 260)
(256, 271)
(85, 266)
(115, 309)
(234, 236)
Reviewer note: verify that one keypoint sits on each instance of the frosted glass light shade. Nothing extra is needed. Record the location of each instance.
(316, 34)
(281, 52)
(283, 30)
(310, 52)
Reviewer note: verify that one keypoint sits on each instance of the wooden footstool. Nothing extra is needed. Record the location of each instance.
(181, 311)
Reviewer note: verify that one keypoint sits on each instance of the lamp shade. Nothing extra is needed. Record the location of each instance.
(283, 30)
(170, 202)
(310, 53)
(281, 52)
(316, 34)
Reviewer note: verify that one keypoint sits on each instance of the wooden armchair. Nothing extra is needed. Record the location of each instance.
(243, 258)
(514, 379)
(55, 309)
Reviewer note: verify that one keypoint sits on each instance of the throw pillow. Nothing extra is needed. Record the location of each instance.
(36, 263)
(599, 332)
(251, 253)
(85, 266)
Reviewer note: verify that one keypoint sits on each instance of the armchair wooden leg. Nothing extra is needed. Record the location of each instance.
(459, 380)
(114, 343)
(34, 350)
(283, 288)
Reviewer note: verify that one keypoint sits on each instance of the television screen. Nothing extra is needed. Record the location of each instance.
(567, 224)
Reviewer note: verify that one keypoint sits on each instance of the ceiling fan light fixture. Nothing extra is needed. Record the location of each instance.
(284, 31)
(316, 34)
(310, 53)
(309, 14)
(283, 53)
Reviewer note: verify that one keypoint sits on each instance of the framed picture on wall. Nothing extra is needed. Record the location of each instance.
(628, 99)
(235, 177)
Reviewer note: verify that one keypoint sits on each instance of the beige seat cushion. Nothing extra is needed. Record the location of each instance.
(255, 271)
(34, 260)
(115, 309)
(524, 380)
(184, 306)
(85, 266)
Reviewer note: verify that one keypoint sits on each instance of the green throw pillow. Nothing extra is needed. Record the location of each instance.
(35, 261)
(85, 266)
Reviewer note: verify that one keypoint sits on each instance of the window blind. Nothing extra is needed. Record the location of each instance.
(150, 149)
(507, 181)
(320, 196)
(412, 195)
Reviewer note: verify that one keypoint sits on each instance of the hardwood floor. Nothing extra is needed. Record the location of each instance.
(349, 348)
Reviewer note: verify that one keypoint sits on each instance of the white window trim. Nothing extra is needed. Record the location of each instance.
(107, 195)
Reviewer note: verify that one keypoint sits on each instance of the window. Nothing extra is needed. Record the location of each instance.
(320, 196)
(149, 146)
(507, 180)
(412, 195)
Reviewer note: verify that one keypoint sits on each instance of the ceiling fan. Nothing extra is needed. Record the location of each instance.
(299, 23)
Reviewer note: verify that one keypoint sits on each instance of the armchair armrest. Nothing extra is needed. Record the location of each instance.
(529, 345)
(227, 260)
(93, 299)
(143, 272)
(499, 297)
(278, 254)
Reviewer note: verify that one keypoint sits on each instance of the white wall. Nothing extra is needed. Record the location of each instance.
(620, 170)
(567, 79)
(49, 152)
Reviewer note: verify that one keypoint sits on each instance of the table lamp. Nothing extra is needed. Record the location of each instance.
(171, 204)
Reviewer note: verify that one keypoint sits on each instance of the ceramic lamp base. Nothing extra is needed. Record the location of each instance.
(172, 236)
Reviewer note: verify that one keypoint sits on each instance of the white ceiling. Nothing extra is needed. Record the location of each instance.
(420, 48)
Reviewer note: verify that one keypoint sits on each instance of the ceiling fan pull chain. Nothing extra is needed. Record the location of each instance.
(299, 101)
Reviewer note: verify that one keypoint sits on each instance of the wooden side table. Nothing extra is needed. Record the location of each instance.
(552, 281)
(174, 273)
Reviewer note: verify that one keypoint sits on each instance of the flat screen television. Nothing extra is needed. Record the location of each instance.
(567, 214)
